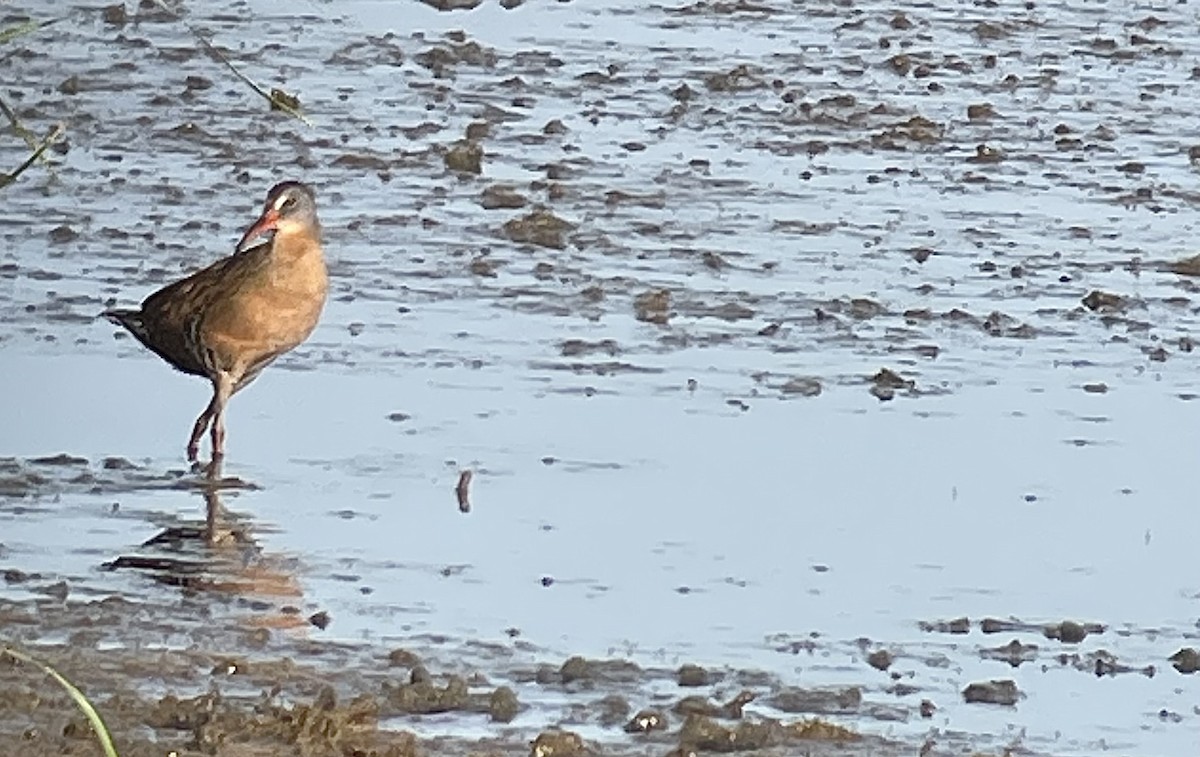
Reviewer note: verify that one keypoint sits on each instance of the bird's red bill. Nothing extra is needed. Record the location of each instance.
(260, 231)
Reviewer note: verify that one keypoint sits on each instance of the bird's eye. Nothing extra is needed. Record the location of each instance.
(286, 204)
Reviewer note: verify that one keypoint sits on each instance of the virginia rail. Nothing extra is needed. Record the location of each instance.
(230, 320)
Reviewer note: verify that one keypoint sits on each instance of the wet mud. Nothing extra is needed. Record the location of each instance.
(697, 377)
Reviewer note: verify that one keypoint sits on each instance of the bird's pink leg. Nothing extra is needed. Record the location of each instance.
(214, 414)
(193, 448)
(222, 391)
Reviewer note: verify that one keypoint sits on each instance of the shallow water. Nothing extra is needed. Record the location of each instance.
(816, 208)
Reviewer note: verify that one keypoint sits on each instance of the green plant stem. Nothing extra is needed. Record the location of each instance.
(102, 733)
(51, 138)
(25, 134)
(220, 56)
(19, 30)
(12, 32)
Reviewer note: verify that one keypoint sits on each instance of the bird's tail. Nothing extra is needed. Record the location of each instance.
(162, 342)
(130, 319)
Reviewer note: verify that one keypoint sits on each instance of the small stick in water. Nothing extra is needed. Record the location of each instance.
(463, 490)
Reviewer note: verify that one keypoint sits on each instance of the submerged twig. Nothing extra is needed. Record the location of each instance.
(51, 138)
(102, 733)
(278, 99)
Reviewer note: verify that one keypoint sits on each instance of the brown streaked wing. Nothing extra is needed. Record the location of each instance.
(175, 313)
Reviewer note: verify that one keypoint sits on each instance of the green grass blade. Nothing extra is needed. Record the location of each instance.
(25, 134)
(7, 35)
(12, 32)
(276, 102)
(102, 734)
(20, 30)
(51, 138)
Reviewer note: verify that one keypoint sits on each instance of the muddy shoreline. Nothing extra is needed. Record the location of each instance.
(242, 689)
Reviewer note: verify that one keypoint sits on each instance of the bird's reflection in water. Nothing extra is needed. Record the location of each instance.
(222, 560)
